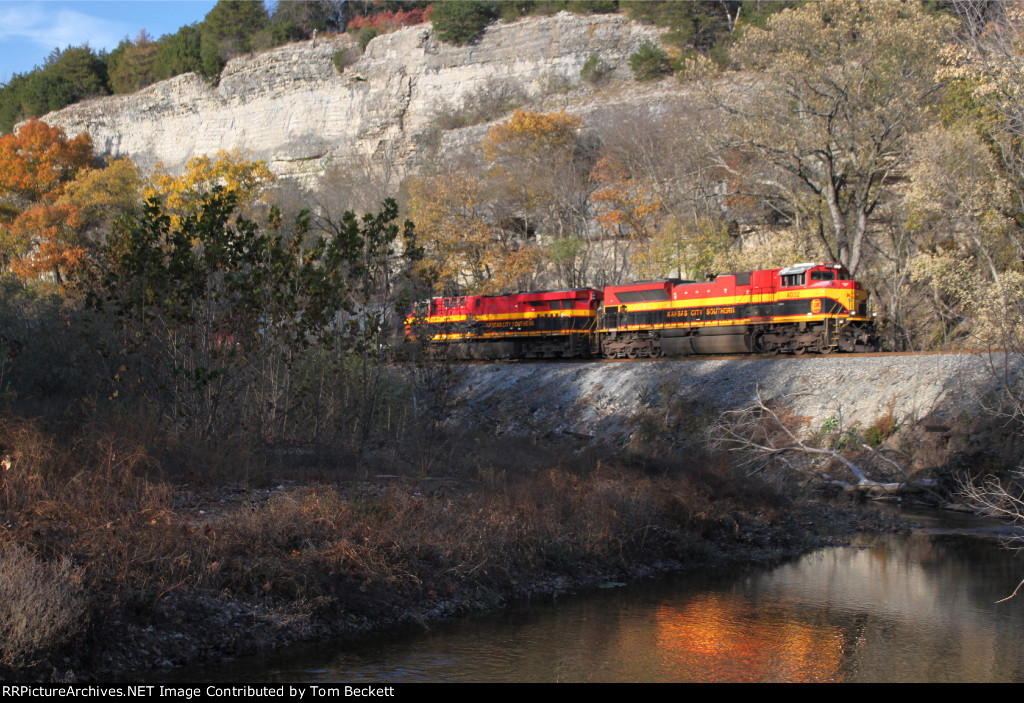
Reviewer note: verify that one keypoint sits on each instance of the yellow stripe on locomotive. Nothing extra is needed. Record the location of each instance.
(806, 307)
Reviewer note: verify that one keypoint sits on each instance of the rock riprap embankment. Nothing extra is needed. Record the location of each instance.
(601, 400)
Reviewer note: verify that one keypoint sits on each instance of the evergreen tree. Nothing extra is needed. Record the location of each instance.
(179, 53)
(462, 22)
(228, 31)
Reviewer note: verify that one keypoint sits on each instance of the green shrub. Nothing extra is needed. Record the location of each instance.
(345, 57)
(462, 22)
(649, 62)
(594, 71)
(339, 59)
(366, 34)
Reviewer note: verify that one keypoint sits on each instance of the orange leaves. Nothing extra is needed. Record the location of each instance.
(624, 206)
(47, 236)
(39, 231)
(37, 160)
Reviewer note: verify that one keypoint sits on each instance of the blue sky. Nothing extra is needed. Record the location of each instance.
(29, 31)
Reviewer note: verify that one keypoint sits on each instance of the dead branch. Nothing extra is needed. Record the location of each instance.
(991, 497)
(767, 432)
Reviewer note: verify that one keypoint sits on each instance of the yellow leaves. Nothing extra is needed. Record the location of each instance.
(531, 132)
(956, 187)
(446, 209)
(463, 247)
(103, 194)
(181, 195)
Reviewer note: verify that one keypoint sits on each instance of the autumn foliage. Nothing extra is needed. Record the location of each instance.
(38, 230)
(229, 172)
(388, 21)
(39, 159)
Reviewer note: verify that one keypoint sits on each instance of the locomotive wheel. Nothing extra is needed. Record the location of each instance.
(632, 352)
(825, 349)
(656, 352)
(608, 353)
(799, 350)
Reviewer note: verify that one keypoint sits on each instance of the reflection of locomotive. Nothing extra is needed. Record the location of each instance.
(807, 307)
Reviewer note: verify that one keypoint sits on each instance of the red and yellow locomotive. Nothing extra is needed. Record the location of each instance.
(806, 307)
(513, 326)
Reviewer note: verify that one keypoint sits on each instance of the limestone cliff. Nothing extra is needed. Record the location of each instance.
(291, 107)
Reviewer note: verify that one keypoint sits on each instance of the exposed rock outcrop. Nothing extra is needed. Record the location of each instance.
(292, 108)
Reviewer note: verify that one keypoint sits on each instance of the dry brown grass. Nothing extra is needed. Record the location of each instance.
(97, 509)
(41, 605)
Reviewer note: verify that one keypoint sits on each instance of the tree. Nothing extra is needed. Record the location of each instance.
(649, 62)
(105, 196)
(841, 88)
(462, 21)
(683, 249)
(12, 102)
(450, 211)
(988, 67)
(625, 209)
(76, 73)
(228, 171)
(294, 20)
(45, 241)
(180, 52)
(38, 233)
(217, 310)
(227, 31)
(537, 188)
(134, 64)
(82, 70)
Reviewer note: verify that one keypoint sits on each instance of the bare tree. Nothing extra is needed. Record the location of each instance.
(1002, 499)
(766, 436)
(824, 128)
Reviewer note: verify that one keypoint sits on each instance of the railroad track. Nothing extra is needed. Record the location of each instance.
(712, 357)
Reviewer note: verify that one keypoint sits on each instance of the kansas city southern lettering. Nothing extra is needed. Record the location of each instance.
(701, 312)
(510, 323)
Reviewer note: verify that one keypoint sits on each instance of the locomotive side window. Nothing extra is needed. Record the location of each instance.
(631, 296)
(823, 275)
(793, 279)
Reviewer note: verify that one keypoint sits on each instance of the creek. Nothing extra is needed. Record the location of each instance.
(918, 607)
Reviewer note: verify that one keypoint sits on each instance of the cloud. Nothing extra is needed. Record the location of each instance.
(48, 25)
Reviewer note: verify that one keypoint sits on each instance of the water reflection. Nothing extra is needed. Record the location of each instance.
(898, 608)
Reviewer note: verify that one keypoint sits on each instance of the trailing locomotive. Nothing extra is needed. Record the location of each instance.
(806, 307)
(514, 326)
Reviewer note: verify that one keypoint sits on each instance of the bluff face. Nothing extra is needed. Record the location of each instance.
(292, 108)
